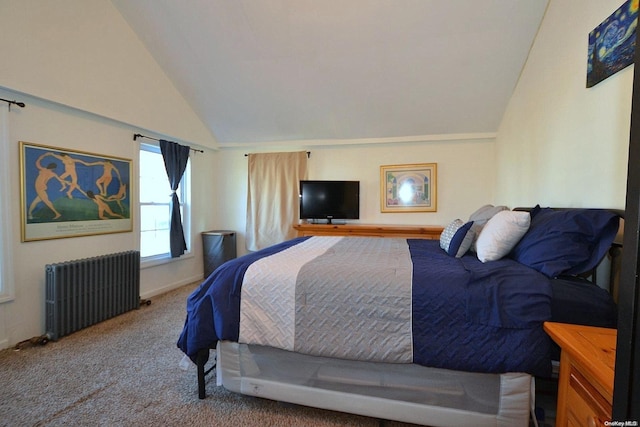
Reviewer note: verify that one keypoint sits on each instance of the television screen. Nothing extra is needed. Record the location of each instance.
(329, 200)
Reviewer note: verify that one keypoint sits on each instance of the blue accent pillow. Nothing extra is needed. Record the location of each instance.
(457, 238)
(566, 241)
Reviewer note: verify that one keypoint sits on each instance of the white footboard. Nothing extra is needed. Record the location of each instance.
(401, 392)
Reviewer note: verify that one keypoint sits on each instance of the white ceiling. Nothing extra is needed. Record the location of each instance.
(334, 70)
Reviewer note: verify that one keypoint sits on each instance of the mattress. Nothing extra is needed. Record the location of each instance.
(578, 301)
(402, 392)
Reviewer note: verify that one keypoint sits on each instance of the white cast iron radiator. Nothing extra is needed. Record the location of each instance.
(83, 292)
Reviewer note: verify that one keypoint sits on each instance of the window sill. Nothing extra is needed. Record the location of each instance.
(6, 298)
(162, 259)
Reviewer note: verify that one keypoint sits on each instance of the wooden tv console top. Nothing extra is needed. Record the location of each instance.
(370, 230)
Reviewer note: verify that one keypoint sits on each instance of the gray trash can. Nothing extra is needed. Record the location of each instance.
(218, 247)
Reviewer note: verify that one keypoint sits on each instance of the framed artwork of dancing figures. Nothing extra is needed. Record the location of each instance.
(69, 193)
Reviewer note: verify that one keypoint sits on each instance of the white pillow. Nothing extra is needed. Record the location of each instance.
(503, 231)
(480, 218)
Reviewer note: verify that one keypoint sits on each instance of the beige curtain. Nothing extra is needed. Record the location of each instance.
(272, 197)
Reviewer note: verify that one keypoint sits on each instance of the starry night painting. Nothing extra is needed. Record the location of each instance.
(612, 43)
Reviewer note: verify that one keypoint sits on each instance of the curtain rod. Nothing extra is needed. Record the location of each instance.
(139, 135)
(308, 154)
(19, 104)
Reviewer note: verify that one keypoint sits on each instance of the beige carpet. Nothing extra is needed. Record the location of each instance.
(124, 372)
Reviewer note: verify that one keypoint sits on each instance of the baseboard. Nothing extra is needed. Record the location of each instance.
(171, 287)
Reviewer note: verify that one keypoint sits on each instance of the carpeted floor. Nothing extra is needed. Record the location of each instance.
(125, 372)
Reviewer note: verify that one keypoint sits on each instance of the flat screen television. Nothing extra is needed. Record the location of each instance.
(320, 200)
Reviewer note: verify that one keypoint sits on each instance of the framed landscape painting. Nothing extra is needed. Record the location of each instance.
(408, 188)
(68, 193)
(612, 43)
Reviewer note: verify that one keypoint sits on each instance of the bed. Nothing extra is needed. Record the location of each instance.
(444, 332)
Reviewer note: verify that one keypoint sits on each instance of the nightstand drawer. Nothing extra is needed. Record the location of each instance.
(585, 405)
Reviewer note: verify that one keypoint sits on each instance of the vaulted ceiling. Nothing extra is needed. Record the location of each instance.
(258, 71)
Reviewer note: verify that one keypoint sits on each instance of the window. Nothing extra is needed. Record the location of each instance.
(155, 203)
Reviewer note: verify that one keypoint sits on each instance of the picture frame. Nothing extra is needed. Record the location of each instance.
(612, 43)
(408, 188)
(69, 193)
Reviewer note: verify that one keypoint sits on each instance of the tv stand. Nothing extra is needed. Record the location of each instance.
(329, 221)
(370, 230)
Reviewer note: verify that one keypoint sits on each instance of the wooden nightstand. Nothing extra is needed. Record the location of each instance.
(587, 366)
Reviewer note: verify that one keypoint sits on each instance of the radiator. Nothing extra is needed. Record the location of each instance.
(83, 292)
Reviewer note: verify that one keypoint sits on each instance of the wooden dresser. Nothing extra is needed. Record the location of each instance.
(370, 230)
(587, 366)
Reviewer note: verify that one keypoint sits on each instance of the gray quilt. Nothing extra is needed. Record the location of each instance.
(331, 296)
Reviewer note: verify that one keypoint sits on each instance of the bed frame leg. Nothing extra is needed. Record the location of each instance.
(201, 360)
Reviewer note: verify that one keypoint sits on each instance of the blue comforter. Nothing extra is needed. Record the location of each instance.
(466, 315)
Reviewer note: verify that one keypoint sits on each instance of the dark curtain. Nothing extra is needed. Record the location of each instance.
(175, 161)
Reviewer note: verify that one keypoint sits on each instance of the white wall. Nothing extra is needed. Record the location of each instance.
(465, 178)
(89, 85)
(561, 144)
(83, 54)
